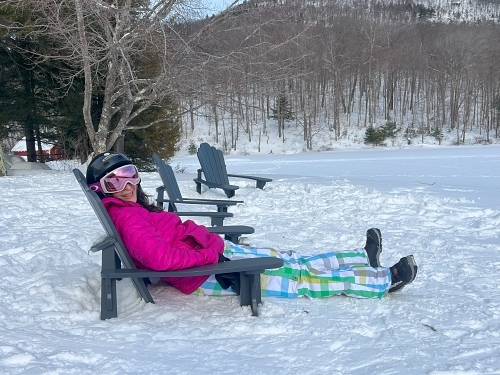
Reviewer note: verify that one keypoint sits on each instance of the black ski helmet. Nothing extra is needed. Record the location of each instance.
(105, 163)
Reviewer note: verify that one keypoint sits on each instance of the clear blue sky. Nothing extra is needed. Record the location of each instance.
(218, 4)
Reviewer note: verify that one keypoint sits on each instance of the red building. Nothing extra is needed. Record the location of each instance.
(50, 152)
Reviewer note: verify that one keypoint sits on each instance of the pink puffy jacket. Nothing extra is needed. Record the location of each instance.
(161, 241)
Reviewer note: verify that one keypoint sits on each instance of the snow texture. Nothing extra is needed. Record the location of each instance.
(441, 204)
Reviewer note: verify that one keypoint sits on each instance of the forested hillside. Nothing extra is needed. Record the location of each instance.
(327, 69)
(140, 76)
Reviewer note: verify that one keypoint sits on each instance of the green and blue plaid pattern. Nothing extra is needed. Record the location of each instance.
(316, 276)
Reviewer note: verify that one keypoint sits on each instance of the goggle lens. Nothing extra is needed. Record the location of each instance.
(116, 180)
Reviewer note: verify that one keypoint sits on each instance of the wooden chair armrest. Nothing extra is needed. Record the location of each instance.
(238, 265)
(250, 177)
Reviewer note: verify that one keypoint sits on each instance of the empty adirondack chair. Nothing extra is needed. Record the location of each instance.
(174, 194)
(231, 232)
(214, 170)
(117, 264)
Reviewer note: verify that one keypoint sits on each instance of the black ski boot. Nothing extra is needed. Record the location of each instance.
(403, 273)
(373, 246)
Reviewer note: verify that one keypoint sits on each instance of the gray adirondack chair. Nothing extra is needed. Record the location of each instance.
(117, 264)
(171, 186)
(215, 173)
(231, 232)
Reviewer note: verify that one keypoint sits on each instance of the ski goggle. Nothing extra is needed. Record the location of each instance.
(116, 180)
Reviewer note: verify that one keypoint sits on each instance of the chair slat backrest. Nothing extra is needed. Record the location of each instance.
(168, 177)
(213, 165)
(221, 165)
(105, 220)
(109, 227)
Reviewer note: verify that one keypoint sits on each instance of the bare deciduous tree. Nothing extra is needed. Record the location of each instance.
(458, 54)
(127, 51)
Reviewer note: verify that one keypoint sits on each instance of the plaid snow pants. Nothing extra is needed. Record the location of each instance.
(316, 276)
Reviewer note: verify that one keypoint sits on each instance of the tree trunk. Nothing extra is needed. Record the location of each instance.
(29, 133)
(119, 145)
(3, 169)
(216, 121)
(191, 114)
(41, 156)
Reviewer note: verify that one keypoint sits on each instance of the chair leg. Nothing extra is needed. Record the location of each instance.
(261, 184)
(256, 294)
(118, 263)
(108, 299)
(229, 193)
(198, 184)
(110, 260)
(250, 293)
(234, 238)
(217, 221)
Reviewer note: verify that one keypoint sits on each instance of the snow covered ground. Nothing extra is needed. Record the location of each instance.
(441, 204)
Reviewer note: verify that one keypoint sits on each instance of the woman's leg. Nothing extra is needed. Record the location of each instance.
(325, 261)
(323, 275)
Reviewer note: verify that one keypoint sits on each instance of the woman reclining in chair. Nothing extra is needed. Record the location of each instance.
(159, 240)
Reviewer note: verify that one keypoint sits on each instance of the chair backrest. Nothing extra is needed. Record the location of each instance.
(168, 178)
(118, 246)
(105, 220)
(213, 164)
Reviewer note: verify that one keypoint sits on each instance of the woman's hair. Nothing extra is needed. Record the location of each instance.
(143, 200)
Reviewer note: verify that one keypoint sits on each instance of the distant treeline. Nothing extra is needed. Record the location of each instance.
(341, 66)
(125, 74)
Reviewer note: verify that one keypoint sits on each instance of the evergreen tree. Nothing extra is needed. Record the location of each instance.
(160, 138)
(410, 132)
(68, 131)
(192, 148)
(390, 129)
(437, 133)
(127, 54)
(282, 109)
(374, 136)
(282, 112)
(29, 91)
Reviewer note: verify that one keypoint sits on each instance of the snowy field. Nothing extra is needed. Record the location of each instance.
(441, 204)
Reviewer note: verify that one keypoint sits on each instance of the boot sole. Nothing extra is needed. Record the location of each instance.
(379, 241)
